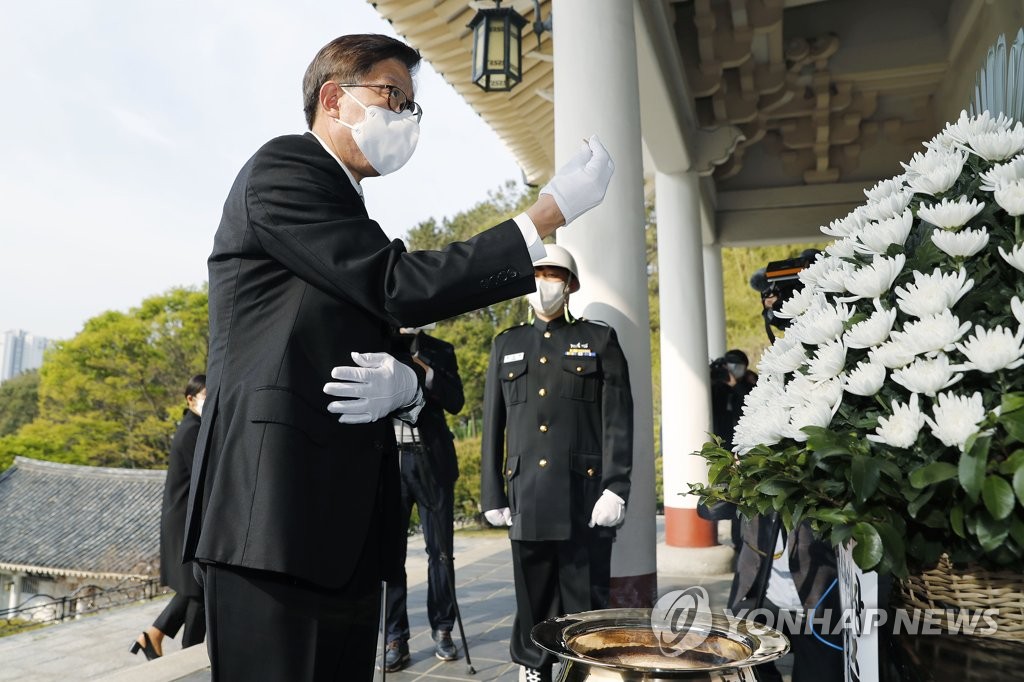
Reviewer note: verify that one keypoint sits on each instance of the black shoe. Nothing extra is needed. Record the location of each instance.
(444, 648)
(396, 656)
(148, 649)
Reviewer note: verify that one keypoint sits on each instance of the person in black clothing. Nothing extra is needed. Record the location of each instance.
(429, 467)
(558, 394)
(186, 606)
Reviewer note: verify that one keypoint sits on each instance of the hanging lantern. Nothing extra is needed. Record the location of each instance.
(497, 48)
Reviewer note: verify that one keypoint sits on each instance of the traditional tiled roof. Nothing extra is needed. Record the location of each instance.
(82, 521)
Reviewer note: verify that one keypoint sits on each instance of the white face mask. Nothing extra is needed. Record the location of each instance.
(736, 369)
(549, 298)
(385, 138)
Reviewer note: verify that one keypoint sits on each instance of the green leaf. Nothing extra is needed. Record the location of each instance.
(915, 505)
(1011, 402)
(1018, 484)
(893, 543)
(774, 487)
(864, 476)
(1017, 531)
(1012, 463)
(956, 520)
(1014, 424)
(932, 473)
(868, 550)
(998, 497)
(972, 474)
(991, 532)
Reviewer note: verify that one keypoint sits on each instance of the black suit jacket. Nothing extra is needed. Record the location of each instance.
(299, 278)
(443, 395)
(172, 513)
(559, 395)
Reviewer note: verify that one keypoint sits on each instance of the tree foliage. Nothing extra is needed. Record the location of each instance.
(19, 401)
(111, 396)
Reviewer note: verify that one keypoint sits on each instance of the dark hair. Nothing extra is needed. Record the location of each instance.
(737, 356)
(349, 58)
(196, 385)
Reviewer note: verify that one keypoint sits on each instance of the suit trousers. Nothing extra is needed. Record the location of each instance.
(553, 578)
(270, 626)
(187, 611)
(435, 503)
(813, 660)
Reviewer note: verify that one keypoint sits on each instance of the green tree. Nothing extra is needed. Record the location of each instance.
(19, 401)
(111, 396)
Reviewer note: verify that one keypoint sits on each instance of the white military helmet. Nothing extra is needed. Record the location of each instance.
(560, 257)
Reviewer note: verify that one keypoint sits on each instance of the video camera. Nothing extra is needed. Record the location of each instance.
(780, 280)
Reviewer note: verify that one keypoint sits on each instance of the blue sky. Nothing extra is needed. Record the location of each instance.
(124, 123)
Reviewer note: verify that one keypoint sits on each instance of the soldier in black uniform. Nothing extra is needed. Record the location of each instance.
(558, 392)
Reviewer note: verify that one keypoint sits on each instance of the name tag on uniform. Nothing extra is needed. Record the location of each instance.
(513, 357)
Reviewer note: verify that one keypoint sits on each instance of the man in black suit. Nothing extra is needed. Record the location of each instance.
(289, 494)
(429, 467)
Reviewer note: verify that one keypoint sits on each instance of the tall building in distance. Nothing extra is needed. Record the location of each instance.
(20, 352)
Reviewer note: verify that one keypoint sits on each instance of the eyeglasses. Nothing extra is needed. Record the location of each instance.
(398, 102)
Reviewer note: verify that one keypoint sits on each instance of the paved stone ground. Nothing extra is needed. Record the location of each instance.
(96, 647)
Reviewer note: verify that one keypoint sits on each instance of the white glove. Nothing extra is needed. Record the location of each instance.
(499, 517)
(376, 388)
(610, 510)
(580, 185)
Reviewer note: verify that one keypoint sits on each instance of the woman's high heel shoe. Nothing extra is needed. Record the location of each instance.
(148, 649)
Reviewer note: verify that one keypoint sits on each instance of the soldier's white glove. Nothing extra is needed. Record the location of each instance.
(610, 510)
(580, 185)
(375, 388)
(499, 517)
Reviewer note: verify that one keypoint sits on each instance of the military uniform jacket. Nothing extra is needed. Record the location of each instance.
(558, 394)
(299, 278)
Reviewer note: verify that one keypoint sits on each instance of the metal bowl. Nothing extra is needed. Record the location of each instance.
(630, 645)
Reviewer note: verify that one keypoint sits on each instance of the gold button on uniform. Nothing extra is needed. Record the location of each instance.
(547, 335)
(511, 374)
(579, 369)
(543, 428)
(590, 472)
(543, 463)
(542, 392)
(543, 360)
(508, 472)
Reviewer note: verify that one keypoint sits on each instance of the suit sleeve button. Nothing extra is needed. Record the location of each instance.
(543, 428)
(543, 463)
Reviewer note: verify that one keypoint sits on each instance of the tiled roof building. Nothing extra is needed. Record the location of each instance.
(80, 521)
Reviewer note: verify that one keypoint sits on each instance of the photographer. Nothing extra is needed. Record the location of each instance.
(777, 282)
(429, 467)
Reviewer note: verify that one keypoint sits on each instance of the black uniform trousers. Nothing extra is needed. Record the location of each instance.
(436, 504)
(553, 578)
(275, 628)
(187, 611)
(813, 660)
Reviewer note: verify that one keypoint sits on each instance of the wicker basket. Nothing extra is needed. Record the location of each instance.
(972, 589)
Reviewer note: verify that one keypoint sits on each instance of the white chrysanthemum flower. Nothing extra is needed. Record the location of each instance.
(1015, 257)
(843, 248)
(885, 188)
(893, 353)
(848, 226)
(802, 300)
(962, 244)
(999, 175)
(802, 389)
(943, 142)
(871, 281)
(764, 425)
(827, 273)
(770, 389)
(819, 325)
(878, 237)
(1017, 307)
(1010, 196)
(865, 379)
(928, 376)
(888, 207)
(873, 330)
(900, 430)
(931, 294)
(990, 350)
(782, 357)
(934, 171)
(950, 215)
(956, 418)
(967, 127)
(998, 145)
(933, 333)
(828, 361)
(813, 413)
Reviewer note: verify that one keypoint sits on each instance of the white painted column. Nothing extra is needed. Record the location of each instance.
(596, 91)
(15, 596)
(685, 392)
(714, 300)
